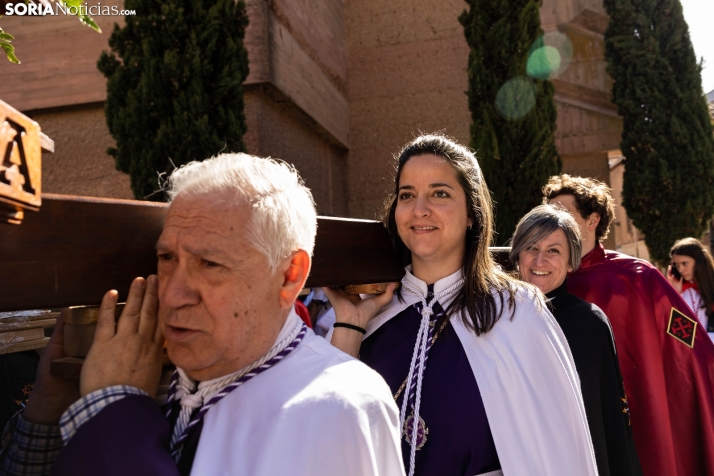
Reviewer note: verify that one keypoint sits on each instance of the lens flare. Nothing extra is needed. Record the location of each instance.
(549, 56)
(516, 98)
(543, 63)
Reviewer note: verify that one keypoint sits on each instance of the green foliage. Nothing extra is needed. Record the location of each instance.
(175, 93)
(5, 39)
(84, 19)
(511, 102)
(668, 186)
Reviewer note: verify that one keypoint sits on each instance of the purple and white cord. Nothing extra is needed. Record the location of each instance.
(417, 367)
(184, 388)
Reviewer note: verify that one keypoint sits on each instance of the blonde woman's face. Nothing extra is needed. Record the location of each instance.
(546, 264)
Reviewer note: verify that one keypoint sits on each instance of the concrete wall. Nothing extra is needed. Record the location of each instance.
(629, 240)
(80, 164)
(59, 57)
(407, 64)
(296, 102)
(295, 95)
(335, 87)
(277, 128)
(588, 123)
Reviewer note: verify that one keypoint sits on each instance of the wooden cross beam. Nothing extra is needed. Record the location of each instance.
(74, 249)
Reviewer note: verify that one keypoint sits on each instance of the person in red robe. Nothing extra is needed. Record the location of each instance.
(667, 359)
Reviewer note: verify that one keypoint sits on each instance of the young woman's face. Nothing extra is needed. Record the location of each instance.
(431, 212)
(685, 266)
(546, 264)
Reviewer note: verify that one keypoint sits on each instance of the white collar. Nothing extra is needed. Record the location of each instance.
(395, 306)
(439, 286)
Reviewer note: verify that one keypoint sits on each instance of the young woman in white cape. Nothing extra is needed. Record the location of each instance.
(480, 369)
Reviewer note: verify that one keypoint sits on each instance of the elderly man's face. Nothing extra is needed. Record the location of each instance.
(218, 302)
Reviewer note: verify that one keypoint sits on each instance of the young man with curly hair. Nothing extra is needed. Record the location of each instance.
(667, 362)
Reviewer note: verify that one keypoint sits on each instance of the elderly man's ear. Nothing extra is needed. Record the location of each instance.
(294, 271)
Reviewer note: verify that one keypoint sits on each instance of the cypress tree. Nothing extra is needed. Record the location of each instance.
(174, 90)
(668, 188)
(511, 103)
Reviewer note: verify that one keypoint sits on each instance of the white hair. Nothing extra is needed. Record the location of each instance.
(283, 217)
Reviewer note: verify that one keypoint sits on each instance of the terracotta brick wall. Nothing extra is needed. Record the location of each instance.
(407, 64)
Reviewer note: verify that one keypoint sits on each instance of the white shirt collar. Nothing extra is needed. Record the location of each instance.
(439, 286)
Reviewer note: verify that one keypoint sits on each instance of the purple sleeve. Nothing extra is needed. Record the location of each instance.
(129, 436)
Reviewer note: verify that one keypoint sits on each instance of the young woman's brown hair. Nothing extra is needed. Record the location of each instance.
(481, 273)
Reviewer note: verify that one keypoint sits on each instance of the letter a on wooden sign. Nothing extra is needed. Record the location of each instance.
(20, 164)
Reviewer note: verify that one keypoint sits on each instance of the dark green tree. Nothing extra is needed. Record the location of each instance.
(174, 91)
(667, 140)
(511, 102)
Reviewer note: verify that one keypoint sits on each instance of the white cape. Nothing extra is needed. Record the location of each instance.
(319, 412)
(528, 382)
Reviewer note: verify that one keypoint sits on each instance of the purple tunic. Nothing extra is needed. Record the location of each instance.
(459, 441)
(110, 445)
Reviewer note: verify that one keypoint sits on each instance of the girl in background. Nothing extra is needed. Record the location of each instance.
(692, 274)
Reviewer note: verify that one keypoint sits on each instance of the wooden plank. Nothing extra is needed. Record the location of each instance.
(21, 346)
(14, 326)
(67, 367)
(23, 335)
(352, 252)
(76, 248)
(48, 145)
(10, 321)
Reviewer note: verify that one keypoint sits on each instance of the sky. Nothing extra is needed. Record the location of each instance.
(699, 15)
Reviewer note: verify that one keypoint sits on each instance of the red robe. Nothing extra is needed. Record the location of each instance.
(303, 313)
(667, 361)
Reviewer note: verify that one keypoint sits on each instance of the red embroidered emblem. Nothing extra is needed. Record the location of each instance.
(682, 327)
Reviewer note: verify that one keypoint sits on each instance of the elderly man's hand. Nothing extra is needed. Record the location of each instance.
(127, 353)
(51, 396)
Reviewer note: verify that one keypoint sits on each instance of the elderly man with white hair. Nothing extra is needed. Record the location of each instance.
(254, 389)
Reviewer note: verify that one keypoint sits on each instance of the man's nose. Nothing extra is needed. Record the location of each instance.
(176, 288)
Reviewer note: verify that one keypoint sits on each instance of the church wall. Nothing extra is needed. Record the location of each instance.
(277, 128)
(59, 57)
(295, 96)
(80, 164)
(296, 105)
(407, 64)
(334, 87)
(580, 130)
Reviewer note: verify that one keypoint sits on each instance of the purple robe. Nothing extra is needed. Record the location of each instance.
(109, 443)
(459, 441)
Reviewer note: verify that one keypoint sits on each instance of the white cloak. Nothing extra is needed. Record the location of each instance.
(528, 382)
(319, 412)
